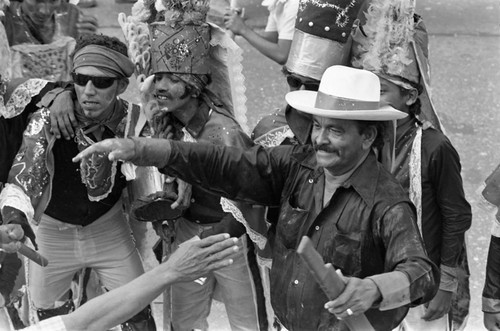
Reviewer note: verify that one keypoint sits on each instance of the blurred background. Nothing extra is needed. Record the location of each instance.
(465, 79)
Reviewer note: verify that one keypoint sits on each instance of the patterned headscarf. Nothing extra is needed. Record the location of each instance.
(105, 59)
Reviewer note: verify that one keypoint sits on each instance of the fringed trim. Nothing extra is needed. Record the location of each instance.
(228, 81)
(14, 196)
(416, 176)
(21, 97)
(229, 207)
(136, 34)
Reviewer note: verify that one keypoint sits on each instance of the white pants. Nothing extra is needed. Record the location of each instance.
(106, 246)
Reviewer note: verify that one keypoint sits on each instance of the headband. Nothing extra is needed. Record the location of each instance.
(105, 59)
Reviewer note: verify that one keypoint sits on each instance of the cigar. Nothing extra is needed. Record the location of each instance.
(33, 255)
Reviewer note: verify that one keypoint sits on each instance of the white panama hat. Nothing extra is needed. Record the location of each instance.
(345, 93)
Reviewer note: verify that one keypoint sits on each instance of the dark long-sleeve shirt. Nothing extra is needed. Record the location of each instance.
(368, 228)
(446, 214)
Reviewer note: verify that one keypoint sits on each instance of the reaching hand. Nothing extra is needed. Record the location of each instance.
(87, 24)
(195, 258)
(62, 116)
(139, 151)
(438, 306)
(234, 22)
(117, 150)
(10, 237)
(358, 296)
(492, 321)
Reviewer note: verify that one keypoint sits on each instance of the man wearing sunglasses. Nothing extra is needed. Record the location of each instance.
(78, 210)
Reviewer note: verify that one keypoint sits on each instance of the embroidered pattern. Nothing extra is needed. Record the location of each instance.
(342, 18)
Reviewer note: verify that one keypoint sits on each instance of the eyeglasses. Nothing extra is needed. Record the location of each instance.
(296, 83)
(98, 82)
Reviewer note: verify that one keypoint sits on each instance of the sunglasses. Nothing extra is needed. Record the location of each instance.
(296, 82)
(98, 82)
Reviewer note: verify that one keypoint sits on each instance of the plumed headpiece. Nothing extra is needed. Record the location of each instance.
(392, 42)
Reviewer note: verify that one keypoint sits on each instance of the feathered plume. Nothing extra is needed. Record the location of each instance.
(389, 30)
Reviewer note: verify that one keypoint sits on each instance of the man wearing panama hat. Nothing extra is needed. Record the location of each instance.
(332, 190)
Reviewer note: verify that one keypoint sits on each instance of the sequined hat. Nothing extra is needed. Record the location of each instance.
(180, 49)
(322, 29)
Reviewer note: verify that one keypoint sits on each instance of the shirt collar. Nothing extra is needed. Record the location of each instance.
(363, 180)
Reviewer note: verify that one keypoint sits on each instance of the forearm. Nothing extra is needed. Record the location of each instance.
(108, 310)
(276, 51)
(229, 172)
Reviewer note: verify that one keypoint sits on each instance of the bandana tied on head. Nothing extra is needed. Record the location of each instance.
(105, 59)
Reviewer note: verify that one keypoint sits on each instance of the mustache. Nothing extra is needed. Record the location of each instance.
(324, 148)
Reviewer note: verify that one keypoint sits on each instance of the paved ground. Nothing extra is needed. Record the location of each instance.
(465, 58)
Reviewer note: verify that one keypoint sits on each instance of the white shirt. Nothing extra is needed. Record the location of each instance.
(282, 15)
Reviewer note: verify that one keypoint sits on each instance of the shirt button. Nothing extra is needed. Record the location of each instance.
(311, 181)
(311, 24)
(343, 34)
(192, 200)
(316, 227)
(296, 282)
(197, 222)
(327, 28)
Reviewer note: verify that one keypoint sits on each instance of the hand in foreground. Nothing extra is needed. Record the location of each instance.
(139, 151)
(117, 150)
(358, 296)
(492, 321)
(87, 24)
(10, 237)
(438, 306)
(62, 116)
(234, 22)
(196, 258)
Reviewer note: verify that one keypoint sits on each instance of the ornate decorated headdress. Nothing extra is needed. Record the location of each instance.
(392, 42)
(322, 29)
(172, 36)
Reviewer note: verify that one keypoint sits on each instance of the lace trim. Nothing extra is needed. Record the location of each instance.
(275, 137)
(14, 196)
(227, 69)
(264, 262)
(21, 97)
(229, 207)
(416, 176)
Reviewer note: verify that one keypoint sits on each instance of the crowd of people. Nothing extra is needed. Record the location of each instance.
(357, 160)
